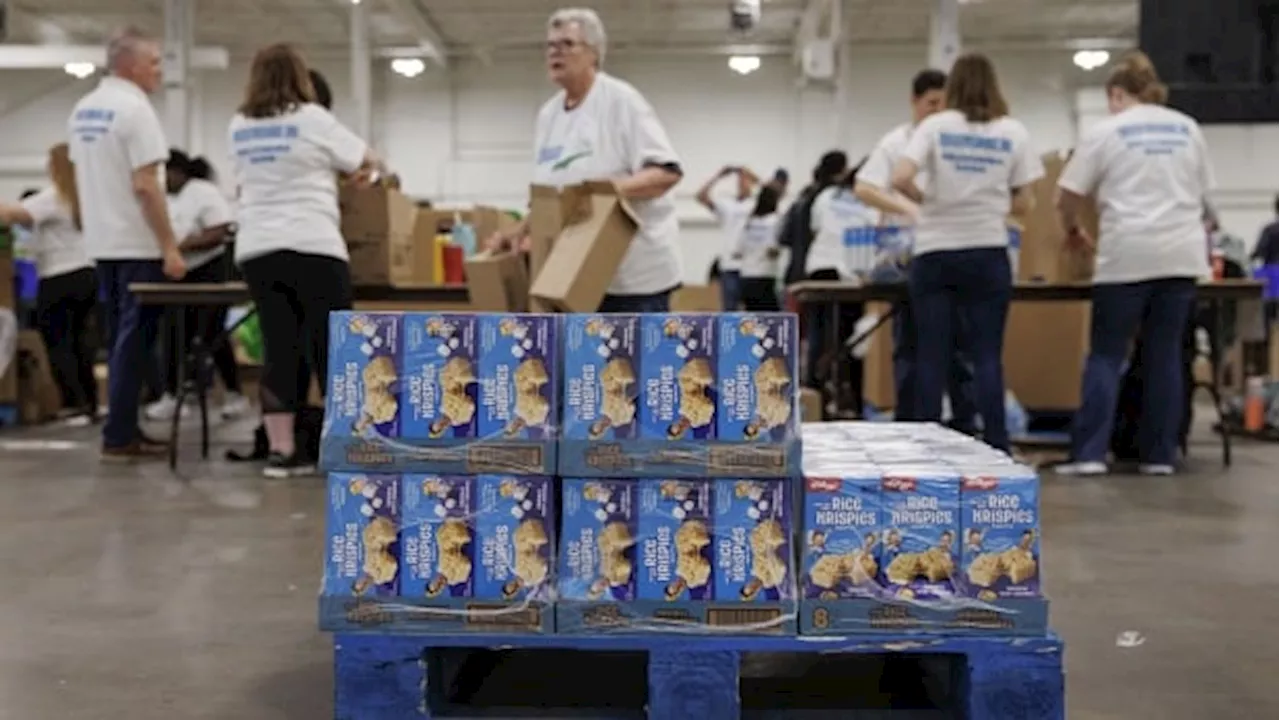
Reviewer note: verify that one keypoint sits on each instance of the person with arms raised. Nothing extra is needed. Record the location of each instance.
(118, 147)
(1148, 167)
(732, 213)
(980, 166)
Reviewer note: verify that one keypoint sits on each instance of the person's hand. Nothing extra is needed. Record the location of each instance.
(728, 170)
(175, 268)
(772, 253)
(506, 241)
(364, 177)
(1078, 239)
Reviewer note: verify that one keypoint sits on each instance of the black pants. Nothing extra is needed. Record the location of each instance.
(294, 294)
(818, 320)
(759, 294)
(205, 322)
(64, 304)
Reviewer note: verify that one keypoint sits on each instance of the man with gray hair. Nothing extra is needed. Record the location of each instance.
(119, 149)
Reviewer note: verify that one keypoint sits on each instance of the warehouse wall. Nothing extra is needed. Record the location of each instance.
(466, 136)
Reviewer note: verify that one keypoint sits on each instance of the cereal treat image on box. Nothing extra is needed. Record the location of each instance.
(842, 526)
(757, 377)
(439, 385)
(518, 361)
(1000, 528)
(439, 532)
(364, 535)
(919, 551)
(601, 367)
(514, 517)
(364, 375)
(598, 549)
(753, 540)
(675, 537)
(678, 378)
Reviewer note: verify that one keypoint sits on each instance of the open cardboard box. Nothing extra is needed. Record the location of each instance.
(498, 281)
(575, 263)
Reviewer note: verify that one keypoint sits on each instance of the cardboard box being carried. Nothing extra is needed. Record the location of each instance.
(597, 231)
(498, 282)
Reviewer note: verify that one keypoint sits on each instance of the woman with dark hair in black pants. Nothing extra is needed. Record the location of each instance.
(289, 151)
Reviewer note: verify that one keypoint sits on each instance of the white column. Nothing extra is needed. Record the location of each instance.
(944, 34)
(179, 36)
(361, 71)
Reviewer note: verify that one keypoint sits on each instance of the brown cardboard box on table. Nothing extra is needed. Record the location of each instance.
(498, 281)
(597, 231)
(378, 224)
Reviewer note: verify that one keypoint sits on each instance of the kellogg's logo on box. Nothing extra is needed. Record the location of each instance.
(439, 387)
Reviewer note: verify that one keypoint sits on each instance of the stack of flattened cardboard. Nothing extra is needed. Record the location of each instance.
(578, 236)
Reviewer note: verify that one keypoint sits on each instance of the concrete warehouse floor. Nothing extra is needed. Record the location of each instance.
(130, 593)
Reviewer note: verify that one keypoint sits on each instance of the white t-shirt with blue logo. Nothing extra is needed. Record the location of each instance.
(112, 132)
(1149, 169)
(844, 234)
(757, 247)
(285, 168)
(973, 168)
(612, 133)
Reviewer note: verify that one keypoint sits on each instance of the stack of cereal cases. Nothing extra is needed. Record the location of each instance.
(442, 392)
(912, 526)
(440, 441)
(672, 395)
(679, 453)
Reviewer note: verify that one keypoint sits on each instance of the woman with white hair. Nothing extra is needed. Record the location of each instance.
(601, 128)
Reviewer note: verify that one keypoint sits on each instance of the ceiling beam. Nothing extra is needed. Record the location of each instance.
(428, 35)
(36, 57)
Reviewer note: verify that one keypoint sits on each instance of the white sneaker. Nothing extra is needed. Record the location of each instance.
(163, 408)
(1081, 469)
(234, 406)
(1155, 469)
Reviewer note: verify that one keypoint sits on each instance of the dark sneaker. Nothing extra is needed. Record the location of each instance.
(133, 452)
(279, 466)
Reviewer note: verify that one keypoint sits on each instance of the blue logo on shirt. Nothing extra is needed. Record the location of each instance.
(1155, 138)
(971, 153)
(88, 124)
(264, 143)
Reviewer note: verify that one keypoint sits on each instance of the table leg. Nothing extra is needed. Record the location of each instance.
(200, 361)
(180, 382)
(1217, 312)
(834, 343)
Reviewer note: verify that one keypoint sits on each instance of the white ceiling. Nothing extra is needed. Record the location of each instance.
(484, 26)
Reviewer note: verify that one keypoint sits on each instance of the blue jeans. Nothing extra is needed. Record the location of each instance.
(959, 377)
(655, 303)
(132, 329)
(730, 290)
(970, 289)
(1158, 311)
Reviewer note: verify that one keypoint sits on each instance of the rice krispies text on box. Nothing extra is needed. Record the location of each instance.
(439, 536)
(1000, 528)
(515, 536)
(675, 539)
(753, 541)
(362, 407)
(919, 552)
(438, 389)
(598, 548)
(519, 394)
(601, 393)
(363, 530)
(843, 521)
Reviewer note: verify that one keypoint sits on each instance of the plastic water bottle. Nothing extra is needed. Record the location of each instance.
(464, 236)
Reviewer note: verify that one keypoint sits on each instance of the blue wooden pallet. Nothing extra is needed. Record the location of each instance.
(387, 677)
(8, 415)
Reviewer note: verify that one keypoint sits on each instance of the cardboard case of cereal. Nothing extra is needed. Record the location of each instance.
(842, 525)
(753, 541)
(362, 403)
(439, 388)
(519, 370)
(598, 547)
(919, 553)
(758, 368)
(1000, 519)
(678, 377)
(514, 525)
(675, 539)
(439, 536)
(363, 529)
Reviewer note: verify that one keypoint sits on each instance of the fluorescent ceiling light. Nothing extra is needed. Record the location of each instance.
(408, 67)
(744, 64)
(80, 70)
(1091, 59)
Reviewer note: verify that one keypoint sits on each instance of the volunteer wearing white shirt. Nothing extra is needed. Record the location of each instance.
(843, 248)
(1149, 168)
(202, 219)
(875, 188)
(118, 147)
(287, 152)
(757, 253)
(599, 127)
(68, 288)
(980, 163)
(732, 212)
